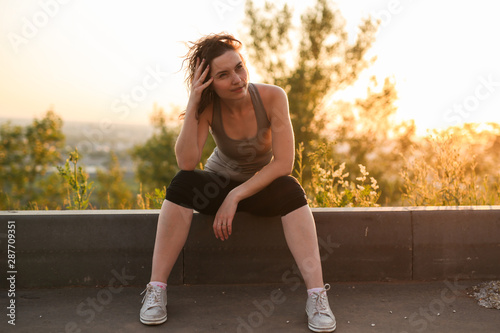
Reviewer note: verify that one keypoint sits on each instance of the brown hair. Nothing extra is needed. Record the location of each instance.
(208, 48)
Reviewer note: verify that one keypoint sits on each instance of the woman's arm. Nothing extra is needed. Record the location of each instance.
(282, 164)
(194, 132)
(190, 142)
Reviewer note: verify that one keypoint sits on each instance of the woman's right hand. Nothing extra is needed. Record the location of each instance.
(197, 85)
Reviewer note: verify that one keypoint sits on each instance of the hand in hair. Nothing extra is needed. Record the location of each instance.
(198, 84)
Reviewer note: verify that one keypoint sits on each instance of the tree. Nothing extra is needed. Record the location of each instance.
(44, 138)
(12, 157)
(111, 190)
(155, 160)
(324, 60)
(156, 163)
(26, 156)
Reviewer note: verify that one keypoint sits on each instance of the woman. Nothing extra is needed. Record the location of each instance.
(249, 170)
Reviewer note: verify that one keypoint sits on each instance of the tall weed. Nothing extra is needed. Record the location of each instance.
(80, 189)
(330, 185)
(444, 174)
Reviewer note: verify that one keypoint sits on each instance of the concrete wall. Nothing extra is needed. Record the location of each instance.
(79, 248)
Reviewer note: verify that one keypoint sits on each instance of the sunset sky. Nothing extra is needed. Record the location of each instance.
(113, 60)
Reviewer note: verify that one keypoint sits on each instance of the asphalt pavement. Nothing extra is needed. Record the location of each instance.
(398, 307)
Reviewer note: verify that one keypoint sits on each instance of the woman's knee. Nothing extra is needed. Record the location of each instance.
(180, 188)
(292, 195)
(288, 183)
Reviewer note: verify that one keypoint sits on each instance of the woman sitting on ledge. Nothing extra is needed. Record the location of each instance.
(249, 171)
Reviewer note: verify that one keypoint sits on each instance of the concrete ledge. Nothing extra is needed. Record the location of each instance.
(456, 242)
(256, 252)
(82, 248)
(88, 248)
(366, 245)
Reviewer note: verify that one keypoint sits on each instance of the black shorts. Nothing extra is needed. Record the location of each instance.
(205, 192)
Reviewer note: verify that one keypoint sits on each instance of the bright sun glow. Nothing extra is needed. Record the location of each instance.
(112, 61)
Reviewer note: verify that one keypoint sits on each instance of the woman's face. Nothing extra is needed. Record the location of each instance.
(230, 76)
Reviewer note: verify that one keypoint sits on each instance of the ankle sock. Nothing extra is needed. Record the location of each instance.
(158, 284)
(313, 290)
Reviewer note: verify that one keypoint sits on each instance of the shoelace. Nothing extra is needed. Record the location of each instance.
(153, 296)
(322, 301)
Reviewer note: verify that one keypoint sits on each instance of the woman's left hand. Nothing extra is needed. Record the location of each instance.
(223, 223)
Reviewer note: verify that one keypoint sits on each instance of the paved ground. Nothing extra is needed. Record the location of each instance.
(359, 307)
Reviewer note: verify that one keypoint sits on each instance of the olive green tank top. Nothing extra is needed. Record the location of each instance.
(239, 160)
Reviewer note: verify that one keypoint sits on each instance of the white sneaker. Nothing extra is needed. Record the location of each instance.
(154, 308)
(319, 315)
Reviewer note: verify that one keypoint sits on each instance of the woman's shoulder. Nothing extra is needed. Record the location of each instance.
(274, 99)
(270, 94)
(271, 90)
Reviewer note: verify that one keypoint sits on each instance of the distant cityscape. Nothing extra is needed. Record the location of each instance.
(95, 142)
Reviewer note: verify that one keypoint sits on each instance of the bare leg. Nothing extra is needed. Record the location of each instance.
(300, 234)
(171, 234)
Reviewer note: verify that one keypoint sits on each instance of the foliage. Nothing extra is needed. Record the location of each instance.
(367, 133)
(44, 140)
(458, 166)
(26, 156)
(79, 189)
(155, 160)
(153, 200)
(331, 187)
(53, 190)
(445, 174)
(12, 156)
(111, 188)
(325, 60)
(157, 197)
